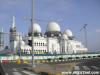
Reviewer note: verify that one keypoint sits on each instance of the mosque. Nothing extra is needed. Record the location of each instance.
(53, 41)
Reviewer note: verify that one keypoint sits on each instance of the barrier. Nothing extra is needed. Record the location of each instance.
(25, 61)
(5, 61)
(52, 57)
(18, 61)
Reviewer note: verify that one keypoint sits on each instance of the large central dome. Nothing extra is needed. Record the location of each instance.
(52, 27)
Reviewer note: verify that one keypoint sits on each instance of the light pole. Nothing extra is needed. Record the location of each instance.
(19, 46)
(32, 22)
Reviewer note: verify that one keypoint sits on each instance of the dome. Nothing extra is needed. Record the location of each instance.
(52, 27)
(68, 32)
(65, 36)
(36, 28)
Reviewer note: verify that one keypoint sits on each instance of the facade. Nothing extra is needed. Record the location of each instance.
(53, 41)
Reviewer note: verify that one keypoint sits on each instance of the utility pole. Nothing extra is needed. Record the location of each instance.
(19, 46)
(32, 32)
(85, 34)
(32, 22)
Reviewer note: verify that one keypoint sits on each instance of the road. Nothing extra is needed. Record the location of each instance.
(92, 65)
(16, 69)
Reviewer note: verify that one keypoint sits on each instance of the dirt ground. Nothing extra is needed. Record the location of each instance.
(53, 69)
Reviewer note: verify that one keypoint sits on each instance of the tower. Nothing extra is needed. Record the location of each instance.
(13, 36)
(13, 30)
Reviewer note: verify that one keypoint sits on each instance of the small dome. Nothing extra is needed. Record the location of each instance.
(68, 32)
(65, 36)
(53, 26)
(36, 28)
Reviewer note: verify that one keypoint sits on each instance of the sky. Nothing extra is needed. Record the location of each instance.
(70, 14)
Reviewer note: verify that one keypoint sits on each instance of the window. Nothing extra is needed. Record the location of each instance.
(37, 44)
(41, 44)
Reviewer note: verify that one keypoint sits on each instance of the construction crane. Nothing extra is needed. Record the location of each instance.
(1, 39)
(85, 34)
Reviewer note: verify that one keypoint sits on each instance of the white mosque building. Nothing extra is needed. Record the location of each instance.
(53, 41)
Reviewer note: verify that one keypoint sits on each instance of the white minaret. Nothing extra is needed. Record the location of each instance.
(13, 30)
(13, 36)
(13, 23)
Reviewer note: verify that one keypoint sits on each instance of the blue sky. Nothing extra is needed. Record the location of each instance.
(72, 14)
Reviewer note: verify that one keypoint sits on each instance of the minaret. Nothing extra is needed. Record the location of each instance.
(13, 27)
(13, 30)
(13, 36)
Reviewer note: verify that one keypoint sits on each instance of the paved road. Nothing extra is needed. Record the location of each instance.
(91, 66)
(14, 69)
(88, 65)
(87, 68)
